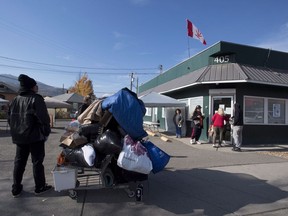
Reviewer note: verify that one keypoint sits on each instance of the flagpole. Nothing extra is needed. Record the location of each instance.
(188, 46)
(188, 43)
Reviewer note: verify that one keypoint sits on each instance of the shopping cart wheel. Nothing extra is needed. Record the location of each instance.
(131, 194)
(72, 194)
(108, 178)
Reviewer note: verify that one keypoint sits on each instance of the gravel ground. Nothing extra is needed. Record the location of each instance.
(278, 153)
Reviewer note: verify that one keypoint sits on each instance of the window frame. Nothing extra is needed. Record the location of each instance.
(266, 110)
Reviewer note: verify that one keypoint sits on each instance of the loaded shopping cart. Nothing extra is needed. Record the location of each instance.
(74, 179)
(105, 148)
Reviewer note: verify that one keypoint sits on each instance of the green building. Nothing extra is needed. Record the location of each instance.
(221, 75)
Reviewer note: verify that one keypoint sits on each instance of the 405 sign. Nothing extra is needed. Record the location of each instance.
(221, 59)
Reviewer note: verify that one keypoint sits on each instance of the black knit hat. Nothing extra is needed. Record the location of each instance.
(26, 82)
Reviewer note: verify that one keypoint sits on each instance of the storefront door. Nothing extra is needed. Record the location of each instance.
(225, 102)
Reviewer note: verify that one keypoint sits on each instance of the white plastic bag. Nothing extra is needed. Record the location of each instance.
(134, 157)
(89, 154)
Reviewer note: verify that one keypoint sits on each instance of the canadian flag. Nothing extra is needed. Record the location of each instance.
(194, 32)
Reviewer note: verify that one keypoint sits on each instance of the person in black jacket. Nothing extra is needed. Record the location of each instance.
(237, 124)
(197, 122)
(29, 127)
(86, 103)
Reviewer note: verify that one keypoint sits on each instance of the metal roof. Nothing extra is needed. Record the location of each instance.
(70, 98)
(154, 99)
(266, 75)
(226, 73)
(222, 72)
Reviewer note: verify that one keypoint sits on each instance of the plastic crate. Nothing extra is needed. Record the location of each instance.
(64, 178)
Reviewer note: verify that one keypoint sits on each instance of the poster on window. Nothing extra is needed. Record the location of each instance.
(276, 110)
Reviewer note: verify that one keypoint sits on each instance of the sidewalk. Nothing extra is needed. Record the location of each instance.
(197, 181)
(228, 148)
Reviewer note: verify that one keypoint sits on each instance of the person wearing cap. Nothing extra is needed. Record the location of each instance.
(197, 121)
(29, 123)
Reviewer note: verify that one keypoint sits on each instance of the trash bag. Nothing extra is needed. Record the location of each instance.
(108, 143)
(134, 157)
(90, 131)
(80, 157)
(124, 176)
(99, 159)
(158, 157)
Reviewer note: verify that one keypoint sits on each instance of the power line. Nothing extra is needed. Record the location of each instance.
(76, 67)
(18, 30)
(69, 72)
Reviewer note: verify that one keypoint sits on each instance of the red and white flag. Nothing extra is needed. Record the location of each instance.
(194, 32)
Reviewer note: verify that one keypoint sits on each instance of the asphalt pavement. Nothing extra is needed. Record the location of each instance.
(198, 180)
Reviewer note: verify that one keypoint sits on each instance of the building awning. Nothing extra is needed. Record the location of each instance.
(154, 99)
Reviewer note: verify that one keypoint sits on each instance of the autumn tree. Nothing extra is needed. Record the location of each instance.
(83, 86)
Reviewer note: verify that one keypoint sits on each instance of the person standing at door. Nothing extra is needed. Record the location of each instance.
(218, 126)
(237, 124)
(197, 122)
(30, 127)
(178, 121)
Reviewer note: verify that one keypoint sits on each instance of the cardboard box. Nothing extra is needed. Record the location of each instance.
(65, 135)
(74, 140)
(64, 178)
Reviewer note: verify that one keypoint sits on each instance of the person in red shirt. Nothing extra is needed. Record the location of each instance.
(218, 126)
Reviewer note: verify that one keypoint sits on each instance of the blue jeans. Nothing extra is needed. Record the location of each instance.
(178, 131)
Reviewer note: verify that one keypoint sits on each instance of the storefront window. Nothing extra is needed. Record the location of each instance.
(276, 111)
(254, 110)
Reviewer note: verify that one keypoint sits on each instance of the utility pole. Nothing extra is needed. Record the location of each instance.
(132, 80)
(132, 75)
(160, 68)
(137, 86)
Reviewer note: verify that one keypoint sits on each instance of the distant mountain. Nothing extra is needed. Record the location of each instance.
(44, 90)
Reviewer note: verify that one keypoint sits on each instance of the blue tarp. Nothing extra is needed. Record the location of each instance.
(128, 111)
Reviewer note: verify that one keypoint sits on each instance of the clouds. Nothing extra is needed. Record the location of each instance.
(277, 40)
(120, 38)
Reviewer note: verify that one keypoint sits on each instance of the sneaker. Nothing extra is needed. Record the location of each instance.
(236, 149)
(42, 190)
(198, 142)
(16, 191)
(214, 146)
(192, 141)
